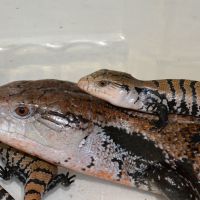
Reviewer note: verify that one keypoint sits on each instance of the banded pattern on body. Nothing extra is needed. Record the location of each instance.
(37, 175)
(176, 96)
(98, 139)
(183, 96)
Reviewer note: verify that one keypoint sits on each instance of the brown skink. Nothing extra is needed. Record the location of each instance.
(65, 126)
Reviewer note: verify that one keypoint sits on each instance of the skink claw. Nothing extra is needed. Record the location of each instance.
(67, 180)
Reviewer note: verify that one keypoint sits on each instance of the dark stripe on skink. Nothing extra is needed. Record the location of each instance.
(195, 109)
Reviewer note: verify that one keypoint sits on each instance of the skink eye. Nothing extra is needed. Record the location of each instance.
(103, 83)
(23, 111)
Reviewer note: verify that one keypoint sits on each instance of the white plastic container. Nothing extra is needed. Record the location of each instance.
(67, 39)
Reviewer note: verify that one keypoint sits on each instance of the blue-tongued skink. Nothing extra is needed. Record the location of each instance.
(67, 127)
(37, 175)
(161, 97)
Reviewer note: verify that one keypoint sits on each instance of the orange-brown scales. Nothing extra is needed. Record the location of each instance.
(180, 139)
(177, 96)
(121, 138)
(37, 175)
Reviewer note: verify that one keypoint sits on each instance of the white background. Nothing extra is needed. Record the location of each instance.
(66, 39)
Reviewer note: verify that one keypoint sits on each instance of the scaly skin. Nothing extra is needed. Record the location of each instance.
(65, 126)
(4, 195)
(177, 96)
(37, 175)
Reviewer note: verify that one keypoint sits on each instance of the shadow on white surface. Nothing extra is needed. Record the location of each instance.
(86, 188)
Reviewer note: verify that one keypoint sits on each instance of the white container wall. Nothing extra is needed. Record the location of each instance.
(66, 39)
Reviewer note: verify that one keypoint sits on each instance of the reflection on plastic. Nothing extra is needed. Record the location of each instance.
(37, 61)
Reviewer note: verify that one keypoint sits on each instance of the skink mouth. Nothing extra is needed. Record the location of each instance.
(84, 84)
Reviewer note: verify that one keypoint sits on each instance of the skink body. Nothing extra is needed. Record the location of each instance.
(37, 175)
(68, 127)
(178, 96)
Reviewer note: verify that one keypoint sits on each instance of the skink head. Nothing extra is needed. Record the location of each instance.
(116, 87)
(44, 111)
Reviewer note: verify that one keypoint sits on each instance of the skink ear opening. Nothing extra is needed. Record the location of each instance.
(195, 138)
(138, 90)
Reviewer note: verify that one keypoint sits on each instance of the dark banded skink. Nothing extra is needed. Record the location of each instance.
(67, 127)
(177, 96)
(37, 175)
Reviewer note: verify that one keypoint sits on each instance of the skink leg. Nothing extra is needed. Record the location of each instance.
(64, 179)
(6, 172)
(163, 116)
